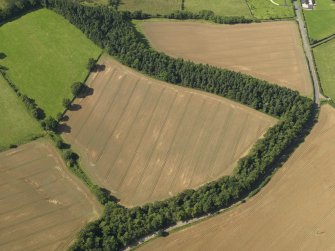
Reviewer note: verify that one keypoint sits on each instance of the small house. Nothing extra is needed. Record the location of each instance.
(308, 4)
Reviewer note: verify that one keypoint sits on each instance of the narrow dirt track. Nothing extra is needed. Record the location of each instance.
(295, 211)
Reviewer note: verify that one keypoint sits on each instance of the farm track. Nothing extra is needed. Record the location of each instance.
(308, 52)
(145, 140)
(44, 205)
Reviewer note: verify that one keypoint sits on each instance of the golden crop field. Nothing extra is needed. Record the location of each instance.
(271, 51)
(146, 140)
(295, 211)
(43, 205)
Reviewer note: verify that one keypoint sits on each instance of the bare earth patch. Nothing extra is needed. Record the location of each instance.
(146, 140)
(42, 205)
(271, 51)
(295, 211)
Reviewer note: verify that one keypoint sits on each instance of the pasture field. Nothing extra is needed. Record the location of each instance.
(320, 21)
(295, 211)
(146, 140)
(324, 55)
(219, 7)
(151, 6)
(16, 124)
(45, 54)
(271, 51)
(43, 205)
(271, 9)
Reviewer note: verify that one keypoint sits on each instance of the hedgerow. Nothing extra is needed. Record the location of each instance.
(119, 226)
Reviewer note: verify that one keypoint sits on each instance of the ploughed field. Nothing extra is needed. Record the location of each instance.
(42, 205)
(271, 51)
(295, 211)
(146, 140)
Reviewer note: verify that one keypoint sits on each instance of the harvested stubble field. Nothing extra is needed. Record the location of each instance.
(42, 205)
(271, 51)
(295, 211)
(146, 140)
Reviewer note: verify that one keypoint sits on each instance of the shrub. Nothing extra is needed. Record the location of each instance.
(50, 124)
(66, 103)
(76, 88)
(91, 64)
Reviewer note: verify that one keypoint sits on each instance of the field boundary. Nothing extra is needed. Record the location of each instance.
(185, 224)
(248, 176)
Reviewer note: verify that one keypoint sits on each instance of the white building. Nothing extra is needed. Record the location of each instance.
(308, 4)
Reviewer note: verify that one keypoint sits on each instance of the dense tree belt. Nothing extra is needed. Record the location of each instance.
(210, 16)
(17, 8)
(120, 226)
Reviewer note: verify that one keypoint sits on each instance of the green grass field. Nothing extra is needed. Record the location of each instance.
(16, 124)
(45, 55)
(321, 20)
(265, 9)
(324, 55)
(151, 6)
(219, 7)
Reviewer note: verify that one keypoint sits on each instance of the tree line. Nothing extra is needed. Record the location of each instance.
(119, 226)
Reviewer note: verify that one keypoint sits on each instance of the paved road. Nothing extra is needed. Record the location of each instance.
(308, 52)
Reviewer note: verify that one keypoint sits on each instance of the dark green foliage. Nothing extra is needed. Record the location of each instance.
(30, 104)
(17, 7)
(59, 116)
(91, 64)
(76, 88)
(119, 226)
(114, 3)
(50, 124)
(66, 103)
(209, 15)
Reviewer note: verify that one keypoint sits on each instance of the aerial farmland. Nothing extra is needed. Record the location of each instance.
(166, 125)
(145, 140)
(271, 51)
(43, 205)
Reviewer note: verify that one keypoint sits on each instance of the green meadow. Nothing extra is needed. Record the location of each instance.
(266, 9)
(45, 54)
(324, 55)
(16, 124)
(321, 20)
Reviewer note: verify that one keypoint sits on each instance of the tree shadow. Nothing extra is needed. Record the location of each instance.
(75, 107)
(99, 68)
(108, 195)
(86, 91)
(65, 118)
(64, 128)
